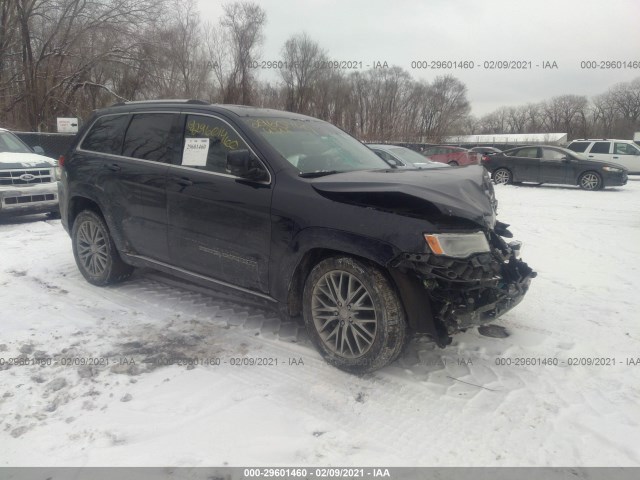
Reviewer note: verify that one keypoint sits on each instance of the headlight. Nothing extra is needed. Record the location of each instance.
(611, 169)
(459, 245)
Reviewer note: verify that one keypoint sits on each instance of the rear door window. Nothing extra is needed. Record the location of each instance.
(601, 147)
(106, 134)
(529, 152)
(151, 136)
(555, 155)
(579, 146)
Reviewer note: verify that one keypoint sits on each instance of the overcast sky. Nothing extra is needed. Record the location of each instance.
(401, 31)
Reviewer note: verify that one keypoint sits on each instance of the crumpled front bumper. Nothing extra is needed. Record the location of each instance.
(503, 296)
(473, 291)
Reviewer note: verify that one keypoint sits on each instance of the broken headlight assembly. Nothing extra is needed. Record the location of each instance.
(457, 245)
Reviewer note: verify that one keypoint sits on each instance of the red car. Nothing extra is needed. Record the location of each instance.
(454, 156)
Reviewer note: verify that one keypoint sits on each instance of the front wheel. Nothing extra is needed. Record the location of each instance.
(94, 251)
(590, 181)
(502, 176)
(453, 163)
(353, 315)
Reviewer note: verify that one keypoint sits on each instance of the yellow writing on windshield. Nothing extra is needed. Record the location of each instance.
(197, 128)
(281, 126)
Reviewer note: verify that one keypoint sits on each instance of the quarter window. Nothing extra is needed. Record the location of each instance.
(625, 149)
(149, 137)
(207, 141)
(600, 147)
(106, 134)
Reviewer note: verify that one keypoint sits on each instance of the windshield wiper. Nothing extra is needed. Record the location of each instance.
(318, 173)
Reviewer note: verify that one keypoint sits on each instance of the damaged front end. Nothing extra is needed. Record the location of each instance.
(462, 273)
(469, 291)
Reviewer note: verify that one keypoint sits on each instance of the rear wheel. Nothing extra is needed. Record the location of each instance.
(502, 176)
(94, 251)
(453, 163)
(590, 181)
(353, 315)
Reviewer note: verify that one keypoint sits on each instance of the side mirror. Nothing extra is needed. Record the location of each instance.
(243, 164)
(566, 159)
(38, 149)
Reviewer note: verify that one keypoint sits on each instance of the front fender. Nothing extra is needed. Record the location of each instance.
(291, 267)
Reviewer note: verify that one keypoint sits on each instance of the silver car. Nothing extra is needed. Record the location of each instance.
(402, 157)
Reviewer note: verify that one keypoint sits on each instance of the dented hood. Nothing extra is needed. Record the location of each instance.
(463, 192)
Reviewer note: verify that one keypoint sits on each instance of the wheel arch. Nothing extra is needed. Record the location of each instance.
(79, 203)
(590, 170)
(503, 168)
(413, 297)
(290, 264)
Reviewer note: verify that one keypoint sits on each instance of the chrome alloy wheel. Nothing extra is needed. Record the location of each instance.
(501, 177)
(589, 181)
(343, 314)
(92, 248)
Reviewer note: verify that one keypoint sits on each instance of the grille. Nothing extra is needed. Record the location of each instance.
(12, 177)
(29, 199)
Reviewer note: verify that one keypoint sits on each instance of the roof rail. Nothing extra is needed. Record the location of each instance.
(169, 100)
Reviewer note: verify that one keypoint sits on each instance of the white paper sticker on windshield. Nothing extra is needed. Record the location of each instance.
(195, 152)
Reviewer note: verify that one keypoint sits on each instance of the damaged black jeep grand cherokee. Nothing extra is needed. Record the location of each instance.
(293, 210)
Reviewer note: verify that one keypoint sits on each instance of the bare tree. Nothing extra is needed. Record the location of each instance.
(62, 41)
(302, 64)
(626, 97)
(445, 104)
(243, 22)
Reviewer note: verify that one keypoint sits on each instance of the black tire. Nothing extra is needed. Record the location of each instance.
(590, 181)
(453, 163)
(502, 176)
(95, 253)
(371, 323)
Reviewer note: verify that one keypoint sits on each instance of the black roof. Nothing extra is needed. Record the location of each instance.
(239, 110)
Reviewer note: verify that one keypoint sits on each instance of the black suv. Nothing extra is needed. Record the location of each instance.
(293, 210)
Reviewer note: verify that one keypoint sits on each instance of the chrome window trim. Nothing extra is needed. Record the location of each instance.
(216, 117)
(190, 169)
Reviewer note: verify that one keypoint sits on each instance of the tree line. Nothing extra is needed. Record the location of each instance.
(65, 58)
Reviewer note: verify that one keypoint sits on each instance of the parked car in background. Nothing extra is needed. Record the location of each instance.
(402, 157)
(454, 156)
(295, 211)
(548, 164)
(622, 152)
(482, 151)
(28, 181)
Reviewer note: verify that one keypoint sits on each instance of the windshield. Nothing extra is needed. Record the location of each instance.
(12, 144)
(315, 146)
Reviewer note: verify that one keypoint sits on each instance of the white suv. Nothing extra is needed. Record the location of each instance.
(622, 152)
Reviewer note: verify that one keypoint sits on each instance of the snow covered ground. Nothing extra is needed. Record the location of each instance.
(456, 406)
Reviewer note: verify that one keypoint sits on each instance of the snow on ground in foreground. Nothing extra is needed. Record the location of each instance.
(432, 407)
